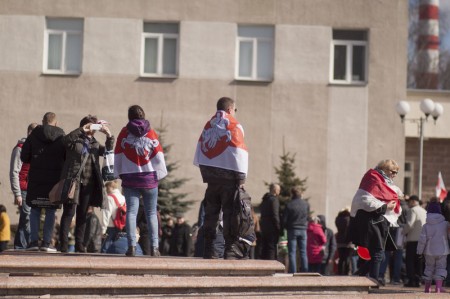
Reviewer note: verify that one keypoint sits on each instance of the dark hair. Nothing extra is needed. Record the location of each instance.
(296, 192)
(88, 119)
(136, 112)
(2, 209)
(48, 118)
(224, 103)
(414, 197)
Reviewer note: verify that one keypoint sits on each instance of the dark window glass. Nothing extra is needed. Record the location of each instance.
(340, 61)
(358, 71)
(350, 35)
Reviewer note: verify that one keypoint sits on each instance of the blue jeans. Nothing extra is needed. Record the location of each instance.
(35, 222)
(22, 237)
(297, 237)
(396, 265)
(111, 236)
(150, 197)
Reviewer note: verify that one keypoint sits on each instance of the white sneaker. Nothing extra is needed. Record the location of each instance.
(34, 246)
(47, 248)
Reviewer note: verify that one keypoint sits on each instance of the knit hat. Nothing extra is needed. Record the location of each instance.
(434, 207)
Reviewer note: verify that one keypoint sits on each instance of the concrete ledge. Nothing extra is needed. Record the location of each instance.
(39, 263)
(121, 285)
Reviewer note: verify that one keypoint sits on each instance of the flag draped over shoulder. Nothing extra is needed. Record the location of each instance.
(134, 154)
(221, 144)
(441, 191)
(373, 193)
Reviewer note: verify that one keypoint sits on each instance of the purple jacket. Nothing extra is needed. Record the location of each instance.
(433, 239)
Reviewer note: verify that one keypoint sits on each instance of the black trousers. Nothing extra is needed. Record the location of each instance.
(86, 192)
(269, 241)
(414, 266)
(217, 197)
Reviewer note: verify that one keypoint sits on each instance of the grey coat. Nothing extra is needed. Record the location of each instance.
(73, 142)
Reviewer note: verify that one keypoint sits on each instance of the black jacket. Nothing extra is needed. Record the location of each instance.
(45, 152)
(296, 214)
(180, 242)
(73, 143)
(270, 214)
(371, 230)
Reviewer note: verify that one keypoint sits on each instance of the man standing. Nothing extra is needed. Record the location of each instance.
(18, 176)
(45, 152)
(295, 221)
(270, 222)
(223, 160)
(181, 240)
(414, 221)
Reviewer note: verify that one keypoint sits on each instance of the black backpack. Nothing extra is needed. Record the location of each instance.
(242, 224)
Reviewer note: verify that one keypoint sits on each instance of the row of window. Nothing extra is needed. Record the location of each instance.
(160, 46)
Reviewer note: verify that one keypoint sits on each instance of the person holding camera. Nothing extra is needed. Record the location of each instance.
(83, 152)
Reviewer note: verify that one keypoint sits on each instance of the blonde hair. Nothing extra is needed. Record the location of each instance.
(387, 165)
(111, 185)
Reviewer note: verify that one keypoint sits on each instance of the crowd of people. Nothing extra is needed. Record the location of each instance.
(383, 229)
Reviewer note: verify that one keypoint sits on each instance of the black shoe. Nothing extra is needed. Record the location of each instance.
(155, 252)
(33, 246)
(412, 284)
(131, 251)
(80, 248)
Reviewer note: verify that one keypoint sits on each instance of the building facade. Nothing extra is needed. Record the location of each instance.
(317, 78)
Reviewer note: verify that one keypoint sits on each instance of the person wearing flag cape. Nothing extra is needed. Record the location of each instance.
(139, 161)
(375, 207)
(223, 161)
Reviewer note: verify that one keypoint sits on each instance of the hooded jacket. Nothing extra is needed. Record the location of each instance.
(315, 242)
(18, 171)
(45, 152)
(434, 236)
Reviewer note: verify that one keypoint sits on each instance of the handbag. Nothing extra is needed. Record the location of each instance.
(65, 188)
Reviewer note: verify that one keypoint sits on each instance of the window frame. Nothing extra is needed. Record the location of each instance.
(63, 67)
(349, 45)
(254, 68)
(160, 37)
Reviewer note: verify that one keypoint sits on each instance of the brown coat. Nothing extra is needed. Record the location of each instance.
(73, 143)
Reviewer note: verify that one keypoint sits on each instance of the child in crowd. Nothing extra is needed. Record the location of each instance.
(109, 213)
(5, 229)
(433, 243)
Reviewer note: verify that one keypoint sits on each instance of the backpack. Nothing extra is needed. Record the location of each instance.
(242, 225)
(121, 214)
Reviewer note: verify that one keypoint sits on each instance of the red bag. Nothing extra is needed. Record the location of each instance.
(121, 214)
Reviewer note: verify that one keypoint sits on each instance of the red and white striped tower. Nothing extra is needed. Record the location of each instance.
(427, 74)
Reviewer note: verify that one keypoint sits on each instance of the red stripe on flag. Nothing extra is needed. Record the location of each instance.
(428, 42)
(428, 12)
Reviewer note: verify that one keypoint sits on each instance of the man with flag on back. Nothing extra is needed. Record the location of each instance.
(223, 160)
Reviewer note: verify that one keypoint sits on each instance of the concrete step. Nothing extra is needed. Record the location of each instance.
(23, 262)
(181, 286)
(45, 274)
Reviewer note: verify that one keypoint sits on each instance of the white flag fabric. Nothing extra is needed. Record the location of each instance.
(441, 191)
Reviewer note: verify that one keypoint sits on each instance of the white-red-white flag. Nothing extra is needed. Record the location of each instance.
(441, 191)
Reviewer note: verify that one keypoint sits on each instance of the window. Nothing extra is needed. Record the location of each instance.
(255, 50)
(408, 179)
(159, 54)
(63, 46)
(349, 57)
